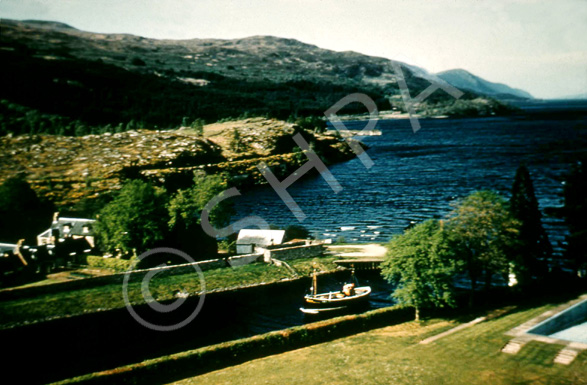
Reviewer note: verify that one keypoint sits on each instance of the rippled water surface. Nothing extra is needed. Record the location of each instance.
(417, 176)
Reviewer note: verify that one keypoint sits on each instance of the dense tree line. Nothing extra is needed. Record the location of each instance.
(141, 217)
(483, 236)
(77, 97)
(70, 96)
(475, 240)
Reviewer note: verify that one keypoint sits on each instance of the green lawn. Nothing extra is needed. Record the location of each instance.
(392, 355)
(110, 296)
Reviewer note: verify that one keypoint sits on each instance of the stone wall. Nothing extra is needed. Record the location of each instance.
(242, 260)
(134, 276)
(569, 317)
(287, 253)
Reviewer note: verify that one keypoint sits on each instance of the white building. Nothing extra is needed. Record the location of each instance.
(251, 241)
(62, 228)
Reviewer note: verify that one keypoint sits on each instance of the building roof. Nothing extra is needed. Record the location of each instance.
(260, 237)
(71, 226)
(7, 247)
(77, 226)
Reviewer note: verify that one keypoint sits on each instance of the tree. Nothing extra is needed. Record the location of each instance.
(22, 213)
(575, 197)
(417, 262)
(135, 220)
(198, 126)
(481, 235)
(186, 205)
(534, 248)
(185, 209)
(132, 125)
(296, 232)
(235, 142)
(312, 123)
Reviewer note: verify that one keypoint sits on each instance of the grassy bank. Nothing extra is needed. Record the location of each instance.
(370, 348)
(393, 355)
(162, 288)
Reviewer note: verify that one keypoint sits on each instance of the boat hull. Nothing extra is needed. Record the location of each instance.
(312, 311)
(337, 300)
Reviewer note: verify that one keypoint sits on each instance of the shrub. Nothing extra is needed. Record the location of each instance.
(115, 264)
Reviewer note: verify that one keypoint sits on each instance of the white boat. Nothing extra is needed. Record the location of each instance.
(350, 295)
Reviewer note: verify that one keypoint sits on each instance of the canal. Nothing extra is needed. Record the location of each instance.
(79, 345)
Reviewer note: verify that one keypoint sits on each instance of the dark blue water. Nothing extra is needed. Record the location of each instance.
(418, 176)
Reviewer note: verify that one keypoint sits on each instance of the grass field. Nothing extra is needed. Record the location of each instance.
(392, 355)
(163, 288)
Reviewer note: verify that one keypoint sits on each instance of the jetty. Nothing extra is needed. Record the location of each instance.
(359, 256)
(360, 264)
(350, 133)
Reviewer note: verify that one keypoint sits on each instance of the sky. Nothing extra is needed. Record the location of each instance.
(537, 45)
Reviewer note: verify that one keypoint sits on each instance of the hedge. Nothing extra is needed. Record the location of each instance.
(115, 264)
(195, 362)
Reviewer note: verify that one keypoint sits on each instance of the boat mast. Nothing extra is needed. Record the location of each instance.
(353, 276)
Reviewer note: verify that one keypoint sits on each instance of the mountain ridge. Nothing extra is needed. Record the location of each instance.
(268, 46)
(464, 79)
(116, 79)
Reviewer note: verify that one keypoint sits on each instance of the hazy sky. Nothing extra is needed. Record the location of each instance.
(539, 46)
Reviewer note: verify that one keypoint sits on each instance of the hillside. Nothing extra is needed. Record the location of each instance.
(253, 58)
(79, 170)
(465, 80)
(60, 80)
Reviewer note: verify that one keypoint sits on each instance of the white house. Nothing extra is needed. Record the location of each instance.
(62, 228)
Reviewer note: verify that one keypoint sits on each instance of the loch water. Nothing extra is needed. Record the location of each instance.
(417, 176)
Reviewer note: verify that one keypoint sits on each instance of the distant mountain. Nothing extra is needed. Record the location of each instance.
(48, 24)
(61, 80)
(252, 58)
(465, 80)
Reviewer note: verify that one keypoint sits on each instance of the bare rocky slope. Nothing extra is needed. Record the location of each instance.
(67, 170)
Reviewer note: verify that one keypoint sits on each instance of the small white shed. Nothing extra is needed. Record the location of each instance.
(251, 241)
